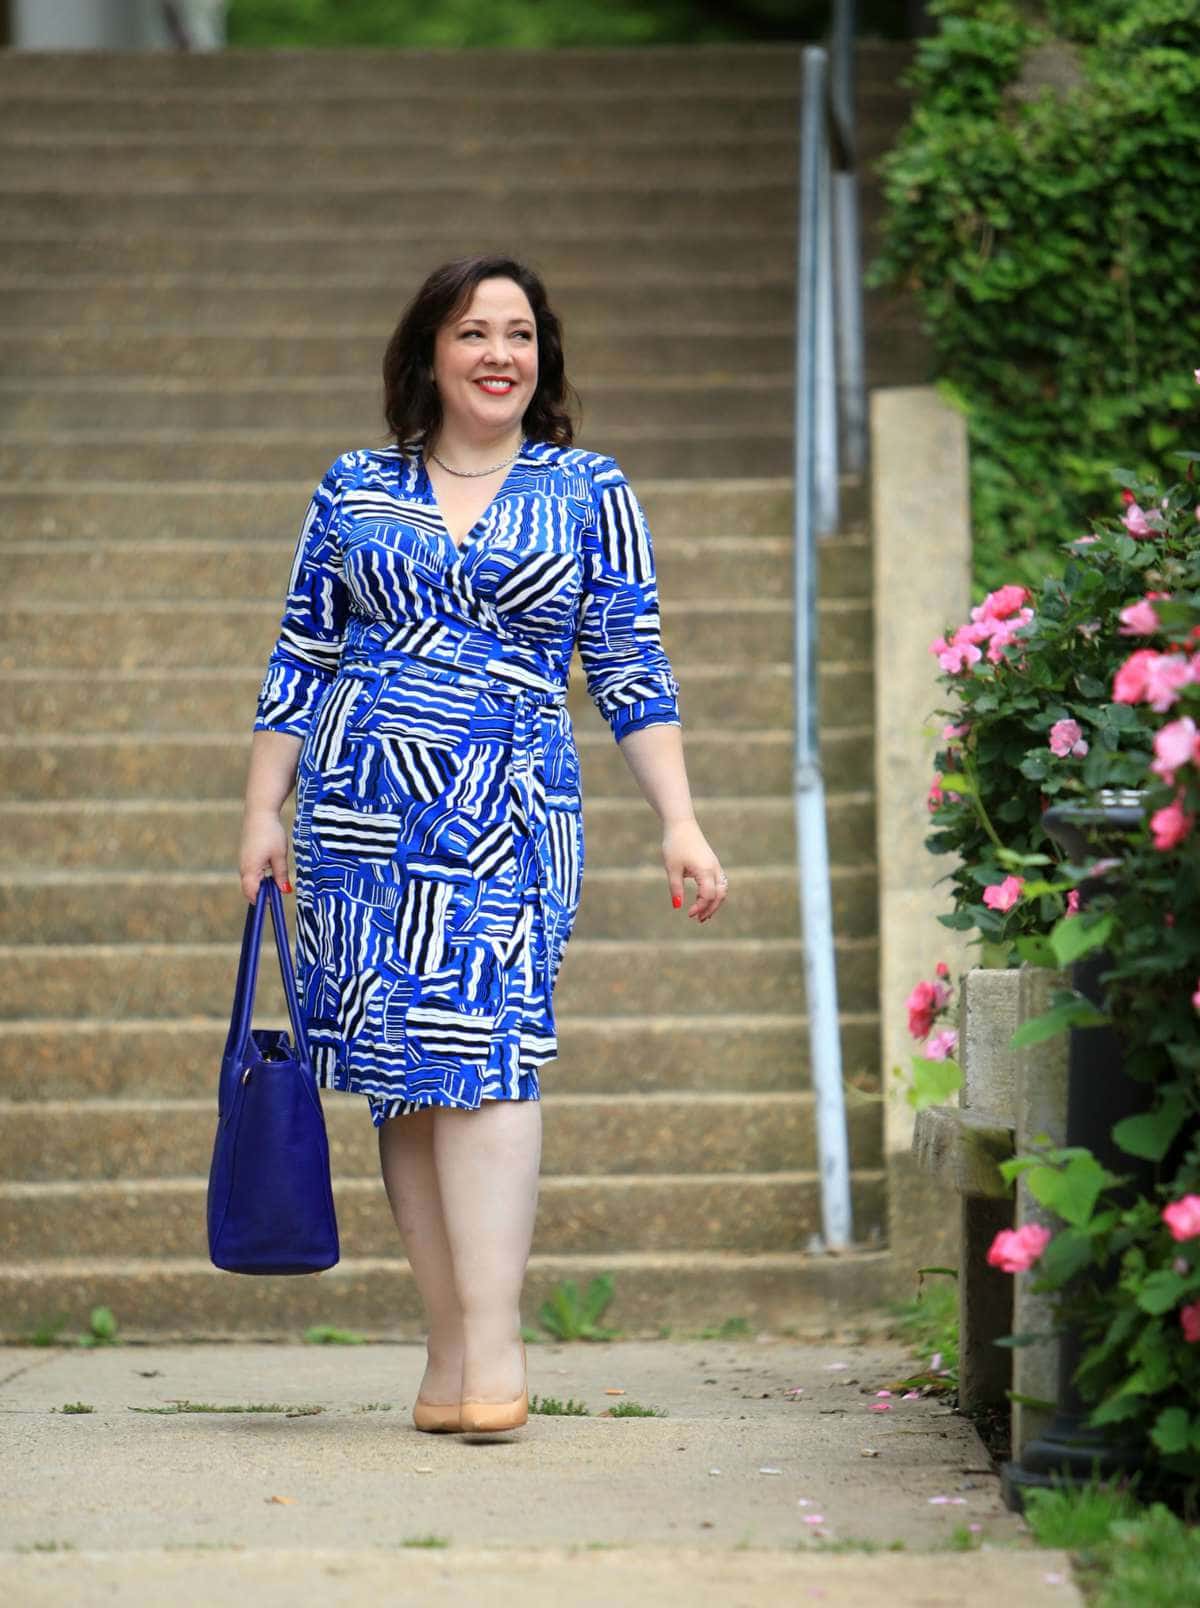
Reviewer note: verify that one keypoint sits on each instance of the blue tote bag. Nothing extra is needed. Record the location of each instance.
(270, 1194)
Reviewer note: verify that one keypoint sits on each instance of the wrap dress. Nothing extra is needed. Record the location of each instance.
(438, 834)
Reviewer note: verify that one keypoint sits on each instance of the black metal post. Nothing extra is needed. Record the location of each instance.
(1099, 1094)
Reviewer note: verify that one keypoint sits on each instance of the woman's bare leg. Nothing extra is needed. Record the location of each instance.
(410, 1178)
(487, 1167)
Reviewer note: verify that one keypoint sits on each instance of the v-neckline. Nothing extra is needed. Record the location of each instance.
(460, 547)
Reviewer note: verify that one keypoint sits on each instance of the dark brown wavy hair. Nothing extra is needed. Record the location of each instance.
(411, 405)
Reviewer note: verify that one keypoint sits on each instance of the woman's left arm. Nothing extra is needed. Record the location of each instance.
(655, 756)
(631, 681)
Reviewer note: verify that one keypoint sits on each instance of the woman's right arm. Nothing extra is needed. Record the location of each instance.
(302, 663)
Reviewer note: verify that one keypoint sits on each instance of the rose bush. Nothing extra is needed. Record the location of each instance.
(1094, 683)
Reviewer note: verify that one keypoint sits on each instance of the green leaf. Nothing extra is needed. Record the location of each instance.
(1150, 1134)
(1037, 950)
(1114, 1409)
(1071, 1191)
(1076, 935)
(1077, 1012)
(1172, 1430)
(955, 782)
(1067, 1254)
(933, 1082)
(1162, 1290)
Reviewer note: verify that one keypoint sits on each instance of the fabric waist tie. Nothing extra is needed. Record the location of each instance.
(526, 771)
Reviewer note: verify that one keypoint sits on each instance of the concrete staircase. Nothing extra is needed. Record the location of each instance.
(200, 261)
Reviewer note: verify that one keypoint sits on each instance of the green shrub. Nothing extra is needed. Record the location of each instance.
(1048, 235)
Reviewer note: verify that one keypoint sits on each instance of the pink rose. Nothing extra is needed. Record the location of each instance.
(1171, 824)
(957, 656)
(1016, 1250)
(998, 605)
(1140, 522)
(940, 1045)
(933, 799)
(925, 1001)
(1129, 683)
(1152, 677)
(1003, 895)
(1066, 737)
(1182, 1217)
(1196, 995)
(1164, 677)
(942, 970)
(1189, 1322)
(921, 1008)
(1175, 744)
(1073, 902)
(1139, 619)
(951, 731)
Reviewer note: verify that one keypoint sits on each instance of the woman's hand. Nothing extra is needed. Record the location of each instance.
(686, 854)
(264, 847)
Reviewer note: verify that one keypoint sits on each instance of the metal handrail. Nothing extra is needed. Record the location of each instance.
(829, 390)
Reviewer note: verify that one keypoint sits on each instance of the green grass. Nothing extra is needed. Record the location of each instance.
(555, 1408)
(633, 1409)
(74, 1407)
(328, 1334)
(570, 1315)
(928, 1324)
(1125, 1555)
(730, 1329)
(182, 1405)
(426, 1541)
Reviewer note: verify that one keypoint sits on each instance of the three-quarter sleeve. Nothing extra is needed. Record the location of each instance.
(308, 646)
(628, 674)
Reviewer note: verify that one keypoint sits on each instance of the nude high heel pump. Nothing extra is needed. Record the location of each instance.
(487, 1417)
(437, 1417)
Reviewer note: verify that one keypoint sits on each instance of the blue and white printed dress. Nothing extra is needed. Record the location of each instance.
(438, 833)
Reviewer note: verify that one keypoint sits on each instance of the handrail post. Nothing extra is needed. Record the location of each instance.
(816, 506)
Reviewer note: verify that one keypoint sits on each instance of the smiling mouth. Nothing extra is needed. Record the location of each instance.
(497, 386)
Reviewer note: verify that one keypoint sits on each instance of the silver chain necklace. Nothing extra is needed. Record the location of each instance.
(474, 474)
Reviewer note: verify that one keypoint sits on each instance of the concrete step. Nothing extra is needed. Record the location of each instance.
(753, 302)
(697, 973)
(369, 299)
(720, 344)
(123, 509)
(165, 1219)
(160, 1057)
(117, 907)
(184, 701)
(702, 452)
(736, 633)
(137, 115)
(30, 408)
(213, 766)
(186, 835)
(698, 152)
(398, 75)
(377, 1296)
(519, 210)
(719, 1133)
(103, 570)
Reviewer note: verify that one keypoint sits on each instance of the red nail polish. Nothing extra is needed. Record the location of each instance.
(287, 887)
(676, 900)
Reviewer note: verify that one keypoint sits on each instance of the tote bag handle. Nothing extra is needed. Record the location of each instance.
(247, 977)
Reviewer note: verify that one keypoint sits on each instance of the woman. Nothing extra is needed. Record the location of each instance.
(415, 695)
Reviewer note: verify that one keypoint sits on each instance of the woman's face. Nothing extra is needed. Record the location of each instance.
(485, 360)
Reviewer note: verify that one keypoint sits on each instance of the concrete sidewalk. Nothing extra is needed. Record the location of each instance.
(769, 1458)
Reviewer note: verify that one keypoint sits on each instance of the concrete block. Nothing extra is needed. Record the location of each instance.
(1041, 1109)
(964, 1147)
(921, 531)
